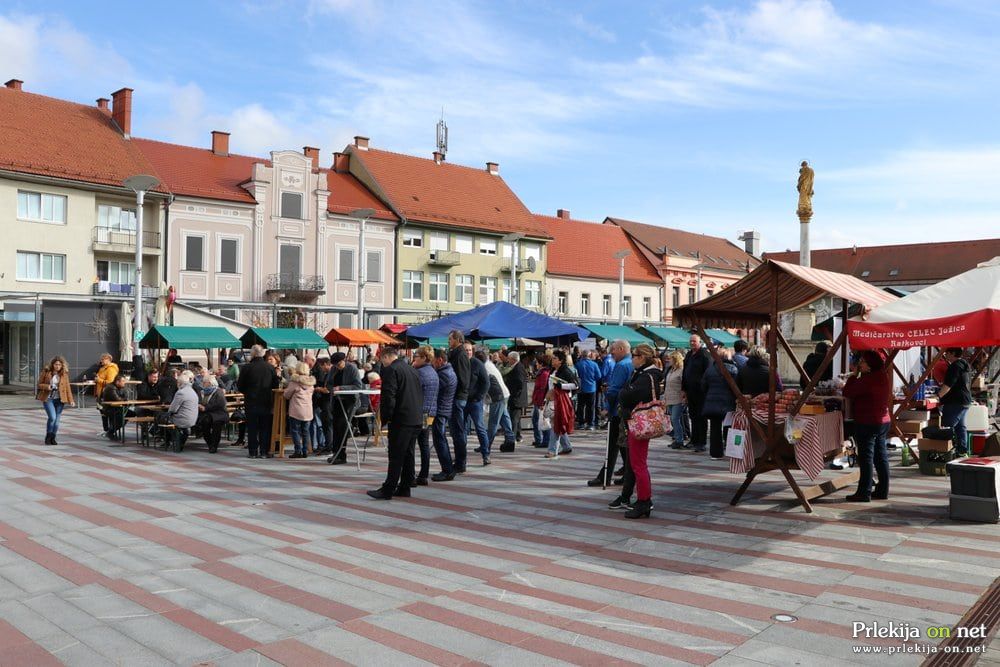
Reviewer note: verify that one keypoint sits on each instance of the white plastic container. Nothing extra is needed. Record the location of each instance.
(977, 418)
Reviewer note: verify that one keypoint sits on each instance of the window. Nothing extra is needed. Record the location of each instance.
(487, 247)
(463, 288)
(373, 268)
(345, 264)
(865, 274)
(463, 244)
(439, 241)
(532, 293)
(229, 255)
(413, 239)
(507, 250)
(413, 285)
(290, 264)
(894, 272)
(437, 287)
(531, 250)
(41, 266)
(122, 273)
(194, 253)
(505, 290)
(291, 205)
(647, 307)
(228, 313)
(562, 302)
(41, 206)
(115, 217)
(627, 306)
(691, 297)
(677, 296)
(606, 305)
(346, 320)
(585, 304)
(487, 290)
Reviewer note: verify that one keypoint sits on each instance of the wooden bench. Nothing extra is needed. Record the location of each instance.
(141, 428)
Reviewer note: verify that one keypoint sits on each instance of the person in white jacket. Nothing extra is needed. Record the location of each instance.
(497, 397)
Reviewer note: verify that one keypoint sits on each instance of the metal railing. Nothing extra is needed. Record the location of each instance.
(125, 237)
(294, 282)
(444, 258)
(104, 287)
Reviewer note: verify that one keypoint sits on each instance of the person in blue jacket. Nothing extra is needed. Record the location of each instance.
(621, 351)
(590, 375)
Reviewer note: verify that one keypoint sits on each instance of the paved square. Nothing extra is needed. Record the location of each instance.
(123, 555)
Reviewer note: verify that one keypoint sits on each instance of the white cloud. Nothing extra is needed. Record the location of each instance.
(592, 30)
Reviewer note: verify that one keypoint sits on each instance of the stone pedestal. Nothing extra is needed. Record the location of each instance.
(800, 340)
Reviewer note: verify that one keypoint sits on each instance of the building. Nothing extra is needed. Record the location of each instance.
(582, 274)
(907, 267)
(451, 254)
(70, 227)
(691, 266)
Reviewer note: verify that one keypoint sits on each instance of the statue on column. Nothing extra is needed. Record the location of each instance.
(805, 188)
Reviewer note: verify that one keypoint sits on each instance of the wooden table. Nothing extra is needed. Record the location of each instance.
(81, 391)
(125, 405)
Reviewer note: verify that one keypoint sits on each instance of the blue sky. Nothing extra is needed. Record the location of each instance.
(686, 114)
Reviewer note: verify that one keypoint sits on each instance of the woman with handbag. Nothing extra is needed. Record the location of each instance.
(562, 381)
(640, 409)
(54, 392)
(719, 401)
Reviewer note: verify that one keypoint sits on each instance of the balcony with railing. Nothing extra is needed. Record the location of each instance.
(523, 265)
(106, 288)
(295, 283)
(108, 239)
(444, 258)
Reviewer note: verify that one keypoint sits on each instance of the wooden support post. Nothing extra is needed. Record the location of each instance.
(795, 487)
(827, 360)
(772, 350)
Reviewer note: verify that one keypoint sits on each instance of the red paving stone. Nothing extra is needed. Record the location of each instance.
(408, 645)
(18, 649)
(293, 652)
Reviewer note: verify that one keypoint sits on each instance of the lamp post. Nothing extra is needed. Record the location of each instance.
(361, 215)
(620, 256)
(512, 239)
(140, 184)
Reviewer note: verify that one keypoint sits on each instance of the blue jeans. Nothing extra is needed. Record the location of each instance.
(953, 415)
(53, 410)
(474, 411)
(499, 418)
(541, 437)
(316, 431)
(677, 421)
(561, 442)
(439, 434)
(458, 436)
(872, 453)
(300, 434)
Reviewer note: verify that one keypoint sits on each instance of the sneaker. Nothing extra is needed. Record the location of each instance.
(566, 452)
(717, 458)
(676, 445)
(443, 476)
(619, 504)
(550, 455)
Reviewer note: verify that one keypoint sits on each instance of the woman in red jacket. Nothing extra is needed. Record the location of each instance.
(538, 400)
(870, 391)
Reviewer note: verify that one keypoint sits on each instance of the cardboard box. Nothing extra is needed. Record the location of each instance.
(928, 445)
(809, 409)
(911, 427)
(915, 415)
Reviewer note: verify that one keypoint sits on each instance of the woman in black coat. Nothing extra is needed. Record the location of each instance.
(213, 413)
(755, 376)
(719, 400)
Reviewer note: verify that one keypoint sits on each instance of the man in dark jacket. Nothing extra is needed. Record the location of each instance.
(479, 385)
(257, 381)
(447, 382)
(460, 365)
(401, 409)
(956, 397)
(516, 379)
(423, 363)
(696, 363)
(344, 376)
(323, 400)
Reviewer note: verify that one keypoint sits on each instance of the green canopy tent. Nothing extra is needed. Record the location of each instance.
(614, 332)
(188, 338)
(722, 337)
(672, 337)
(290, 339)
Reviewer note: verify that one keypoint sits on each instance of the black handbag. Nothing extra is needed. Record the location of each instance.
(938, 433)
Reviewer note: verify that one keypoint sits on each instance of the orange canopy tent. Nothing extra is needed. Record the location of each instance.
(359, 338)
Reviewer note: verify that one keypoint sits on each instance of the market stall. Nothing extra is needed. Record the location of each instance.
(283, 339)
(673, 338)
(359, 338)
(162, 337)
(780, 437)
(501, 320)
(613, 332)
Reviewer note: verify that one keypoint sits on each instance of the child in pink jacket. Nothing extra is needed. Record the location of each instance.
(299, 393)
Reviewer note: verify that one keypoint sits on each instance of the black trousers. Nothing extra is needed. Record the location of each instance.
(326, 422)
(401, 443)
(628, 477)
(341, 429)
(585, 409)
(716, 445)
(213, 434)
(515, 419)
(424, 444)
(258, 432)
(614, 428)
(699, 423)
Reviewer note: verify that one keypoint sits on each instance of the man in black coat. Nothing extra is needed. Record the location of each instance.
(459, 361)
(323, 400)
(343, 376)
(257, 381)
(696, 363)
(516, 379)
(401, 409)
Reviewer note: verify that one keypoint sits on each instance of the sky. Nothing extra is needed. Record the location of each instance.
(692, 115)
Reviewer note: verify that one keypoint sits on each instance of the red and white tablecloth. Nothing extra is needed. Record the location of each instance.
(821, 434)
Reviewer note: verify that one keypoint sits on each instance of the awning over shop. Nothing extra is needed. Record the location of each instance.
(672, 337)
(359, 337)
(292, 339)
(393, 329)
(613, 332)
(722, 337)
(188, 338)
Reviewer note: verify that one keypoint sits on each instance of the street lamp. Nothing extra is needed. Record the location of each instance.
(361, 215)
(140, 184)
(620, 256)
(512, 239)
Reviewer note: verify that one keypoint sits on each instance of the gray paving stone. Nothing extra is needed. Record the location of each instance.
(34, 579)
(172, 641)
(246, 659)
(65, 615)
(118, 648)
(358, 650)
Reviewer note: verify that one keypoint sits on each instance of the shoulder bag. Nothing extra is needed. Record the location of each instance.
(649, 420)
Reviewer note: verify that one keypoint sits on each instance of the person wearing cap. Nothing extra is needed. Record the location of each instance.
(257, 382)
(401, 410)
(870, 392)
(345, 377)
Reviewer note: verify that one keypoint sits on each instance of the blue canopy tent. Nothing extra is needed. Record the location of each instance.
(501, 320)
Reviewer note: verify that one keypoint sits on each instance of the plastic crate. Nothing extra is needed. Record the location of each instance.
(935, 463)
(972, 480)
(969, 508)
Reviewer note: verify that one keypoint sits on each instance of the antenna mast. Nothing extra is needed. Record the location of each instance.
(442, 135)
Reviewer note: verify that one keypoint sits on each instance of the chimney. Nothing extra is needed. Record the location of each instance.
(313, 154)
(751, 242)
(493, 168)
(562, 213)
(341, 162)
(14, 84)
(438, 157)
(102, 104)
(121, 110)
(361, 143)
(220, 143)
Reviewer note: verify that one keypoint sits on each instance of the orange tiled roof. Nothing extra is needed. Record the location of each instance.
(348, 194)
(50, 137)
(586, 250)
(715, 251)
(448, 194)
(198, 172)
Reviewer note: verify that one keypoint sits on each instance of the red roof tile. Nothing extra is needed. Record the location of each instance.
(49, 137)
(198, 172)
(447, 194)
(714, 251)
(587, 249)
(348, 194)
(914, 263)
